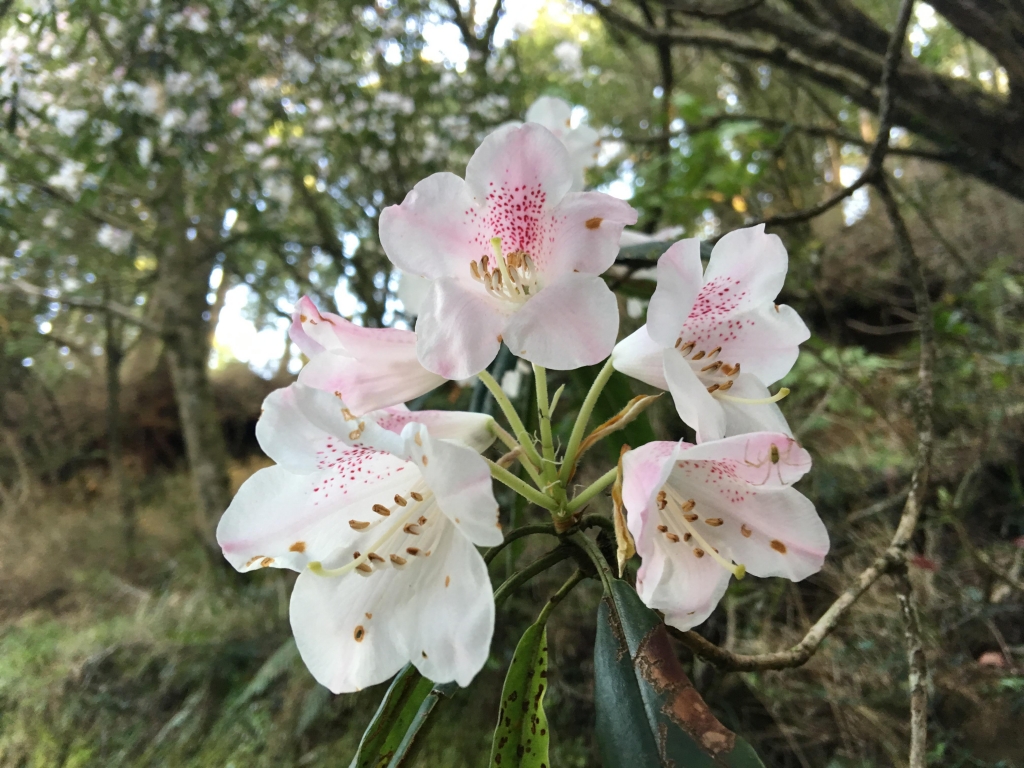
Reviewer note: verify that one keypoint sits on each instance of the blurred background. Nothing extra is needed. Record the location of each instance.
(174, 176)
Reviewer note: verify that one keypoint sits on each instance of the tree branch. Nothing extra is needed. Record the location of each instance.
(918, 676)
(119, 310)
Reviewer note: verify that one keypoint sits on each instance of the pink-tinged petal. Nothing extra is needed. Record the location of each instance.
(741, 418)
(679, 282)
(584, 145)
(583, 234)
(688, 588)
(639, 356)
(432, 232)
(287, 436)
(771, 530)
(695, 406)
(312, 331)
(553, 113)
(765, 340)
(447, 629)
(412, 292)
(644, 471)
(570, 323)
(460, 480)
(526, 162)
(373, 382)
(328, 413)
(475, 430)
(756, 260)
(284, 520)
(457, 331)
(750, 458)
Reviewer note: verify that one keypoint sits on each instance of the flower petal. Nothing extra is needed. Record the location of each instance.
(753, 262)
(765, 340)
(644, 471)
(695, 406)
(570, 323)
(309, 331)
(583, 234)
(553, 113)
(679, 282)
(373, 382)
(461, 482)
(475, 430)
(741, 418)
(433, 232)
(639, 356)
(287, 436)
(749, 457)
(526, 160)
(457, 331)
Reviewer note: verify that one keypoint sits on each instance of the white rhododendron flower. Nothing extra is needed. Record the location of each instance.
(716, 340)
(701, 514)
(583, 142)
(381, 515)
(371, 368)
(512, 254)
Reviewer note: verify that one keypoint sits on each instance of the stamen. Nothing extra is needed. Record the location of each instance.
(762, 401)
(712, 367)
(699, 355)
(714, 388)
(375, 558)
(739, 571)
(398, 560)
(679, 341)
(380, 509)
(400, 501)
(365, 568)
(474, 270)
(412, 528)
(413, 551)
(714, 352)
(496, 247)
(727, 385)
(416, 496)
(672, 537)
(688, 348)
(358, 525)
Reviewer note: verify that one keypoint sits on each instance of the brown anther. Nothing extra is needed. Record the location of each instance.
(422, 520)
(679, 342)
(483, 265)
(416, 496)
(359, 634)
(447, 580)
(364, 568)
(298, 546)
(690, 518)
(474, 270)
(380, 509)
(712, 367)
(345, 412)
(662, 528)
(672, 537)
(358, 525)
(699, 355)
(687, 536)
(369, 615)
(727, 385)
(355, 434)
(735, 370)
(698, 552)
(356, 555)
(399, 561)
(593, 223)
(714, 522)
(266, 561)
(714, 388)
(400, 501)
(688, 348)
(714, 352)
(424, 461)
(687, 505)
(419, 441)
(413, 551)
(745, 530)
(374, 558)
(778, 546)
(412, 528)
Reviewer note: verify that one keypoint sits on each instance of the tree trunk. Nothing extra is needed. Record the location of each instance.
(180, 291)
(115, 457)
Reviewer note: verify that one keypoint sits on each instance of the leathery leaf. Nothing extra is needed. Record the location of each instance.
(521, 736)
(392, 720)
(648, 712)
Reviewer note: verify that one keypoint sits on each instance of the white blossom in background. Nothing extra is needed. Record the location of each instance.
(583, 142)
(69, 178)
(67, 121)
(113, 239)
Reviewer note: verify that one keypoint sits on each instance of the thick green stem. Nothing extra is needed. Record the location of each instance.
(511, 443)
(515, 581)
(521, 487)
(592, 490)
(544, 409)
(572, 449)
(513, 418)
(518, 533)
(556, 598)
(590, 548)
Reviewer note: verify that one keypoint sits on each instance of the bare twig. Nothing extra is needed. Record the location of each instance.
(918, 675)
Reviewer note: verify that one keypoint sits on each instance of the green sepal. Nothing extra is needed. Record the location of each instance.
(521, 738)
(648, 712)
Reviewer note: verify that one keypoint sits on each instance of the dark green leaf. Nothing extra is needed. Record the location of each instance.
(648, 712)
(397, 711)
(405, 751)
(521, 736)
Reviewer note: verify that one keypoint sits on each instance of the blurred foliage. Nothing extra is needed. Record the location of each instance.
(272, 135)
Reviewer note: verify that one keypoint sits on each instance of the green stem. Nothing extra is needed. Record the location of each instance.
(592, 551)
(515, 581)
(544, 409)
(571, 450)
(596, 521)
(513, 418)
(511, 443)
(521, 487)
(588, 493)
(518, 533)
(556, 598)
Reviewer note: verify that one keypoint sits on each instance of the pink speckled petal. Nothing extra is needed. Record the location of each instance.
(457, 330)
(474, 430)
(312, 331)
(521, 165)
(695, 406)
(583, 234)
(765, 341)
(741, 418)
(679, 282)
(748, 457)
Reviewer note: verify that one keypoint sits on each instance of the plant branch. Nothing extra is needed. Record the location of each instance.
(513, 418)
(521, 487)
(518, 533)
(572, 449)
(111, 307)
(516, 580)
(560, 595)
(584, 497)
(918, 676)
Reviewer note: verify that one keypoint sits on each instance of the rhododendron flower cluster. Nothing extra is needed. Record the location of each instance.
(381, 509)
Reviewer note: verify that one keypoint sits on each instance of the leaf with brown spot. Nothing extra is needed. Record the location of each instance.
(521, 737)
(648, 712)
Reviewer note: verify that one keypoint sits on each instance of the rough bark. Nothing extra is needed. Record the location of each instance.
(115, 453)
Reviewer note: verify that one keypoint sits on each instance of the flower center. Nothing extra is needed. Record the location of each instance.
(668, 503)
(718, 376)
(409, 535)
(511, 278)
